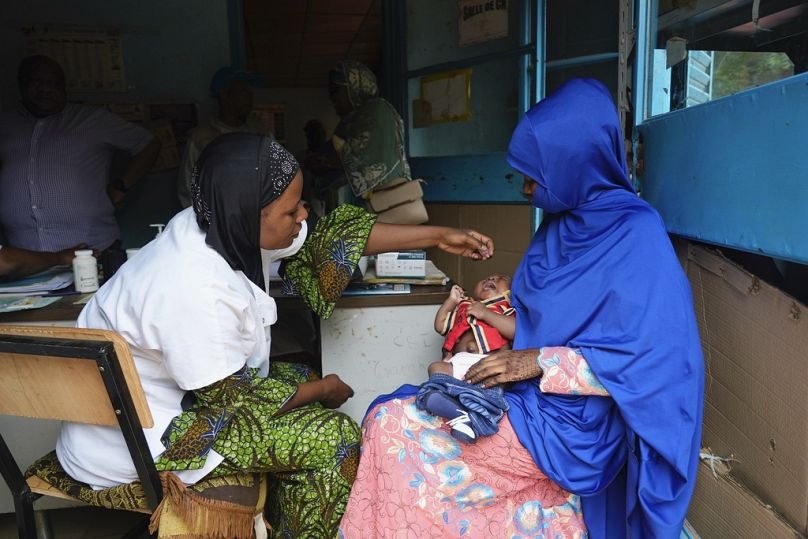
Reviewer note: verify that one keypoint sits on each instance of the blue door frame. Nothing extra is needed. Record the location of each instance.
(474, 178)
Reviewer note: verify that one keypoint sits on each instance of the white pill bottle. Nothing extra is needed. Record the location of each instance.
(85, 271)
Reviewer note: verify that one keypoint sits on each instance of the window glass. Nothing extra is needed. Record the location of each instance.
(703, 50)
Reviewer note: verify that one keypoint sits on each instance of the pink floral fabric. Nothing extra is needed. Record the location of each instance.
(416, 481)
(566, 372)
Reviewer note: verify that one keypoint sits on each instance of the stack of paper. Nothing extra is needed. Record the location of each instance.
(376, 289)
(40, 283)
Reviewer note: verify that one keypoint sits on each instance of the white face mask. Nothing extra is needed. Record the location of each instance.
(268, 256)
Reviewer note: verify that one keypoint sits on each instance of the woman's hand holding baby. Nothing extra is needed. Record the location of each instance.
(505, 366)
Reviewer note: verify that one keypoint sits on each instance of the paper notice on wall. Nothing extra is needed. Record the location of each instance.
(91, 56)
(482, 20)
(449, 95)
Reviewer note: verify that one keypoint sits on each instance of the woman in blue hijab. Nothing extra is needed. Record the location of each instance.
(600, 283)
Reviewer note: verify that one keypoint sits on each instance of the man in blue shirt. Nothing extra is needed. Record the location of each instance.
(55, 156)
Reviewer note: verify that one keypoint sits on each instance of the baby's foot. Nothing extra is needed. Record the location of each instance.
(443, 405)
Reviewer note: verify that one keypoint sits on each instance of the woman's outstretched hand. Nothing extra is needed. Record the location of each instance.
(505, 366)
(386, 237)
(467, 243)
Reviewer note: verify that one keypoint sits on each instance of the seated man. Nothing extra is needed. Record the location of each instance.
(55, 190)
(18, 263)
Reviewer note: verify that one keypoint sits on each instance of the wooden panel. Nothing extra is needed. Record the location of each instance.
(294, 44)
(333, 23)
(45, 387)
(66, 389)
(508, 225)
(331, 7)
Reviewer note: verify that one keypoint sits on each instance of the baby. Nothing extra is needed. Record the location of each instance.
(474, 327)
(488, 315)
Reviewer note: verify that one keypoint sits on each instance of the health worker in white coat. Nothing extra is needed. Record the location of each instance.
(194, 308)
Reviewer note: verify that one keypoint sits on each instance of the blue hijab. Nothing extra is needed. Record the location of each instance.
(600, 275)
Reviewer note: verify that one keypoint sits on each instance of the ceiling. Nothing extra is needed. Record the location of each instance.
(295, 43)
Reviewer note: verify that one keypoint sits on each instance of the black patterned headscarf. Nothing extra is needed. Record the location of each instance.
(236, 176)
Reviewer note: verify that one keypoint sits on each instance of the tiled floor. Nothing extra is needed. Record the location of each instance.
(80, 523)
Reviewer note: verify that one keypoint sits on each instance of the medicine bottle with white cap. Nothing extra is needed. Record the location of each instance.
(85, 271)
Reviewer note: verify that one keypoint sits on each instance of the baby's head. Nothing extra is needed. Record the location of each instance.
(494, 285)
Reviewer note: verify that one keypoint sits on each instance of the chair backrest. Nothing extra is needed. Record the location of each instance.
(79, 375)
(56, 373)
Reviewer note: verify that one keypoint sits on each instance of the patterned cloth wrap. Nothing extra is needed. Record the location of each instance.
(223, 506)
(487, 337)
(485, 407)
(323, 267)
(311, 452)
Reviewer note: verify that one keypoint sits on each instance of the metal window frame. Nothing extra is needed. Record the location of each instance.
(448, 172)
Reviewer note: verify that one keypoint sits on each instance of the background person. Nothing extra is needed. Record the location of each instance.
(367, 149)
(55, 189)
(232, 88)
(17, 263)
(603, 431)
(194, 309)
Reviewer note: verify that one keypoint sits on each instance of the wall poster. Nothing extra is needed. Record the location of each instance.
(449, 95)
(91, 56)
(482, 20)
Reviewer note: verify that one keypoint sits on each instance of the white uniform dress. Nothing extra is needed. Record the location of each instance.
(190, 320)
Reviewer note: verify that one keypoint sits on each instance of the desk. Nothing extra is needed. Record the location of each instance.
(65, 311)
(375, 344)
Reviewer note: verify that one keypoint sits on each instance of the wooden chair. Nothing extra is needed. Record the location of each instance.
(78, 375)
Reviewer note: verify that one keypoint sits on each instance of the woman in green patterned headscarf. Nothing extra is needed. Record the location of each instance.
(370, 136)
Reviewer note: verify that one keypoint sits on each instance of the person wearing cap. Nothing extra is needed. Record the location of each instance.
(55, 159)
(232, 87)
